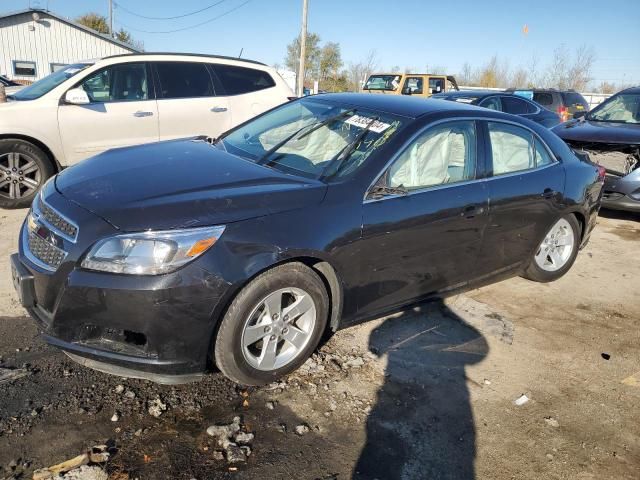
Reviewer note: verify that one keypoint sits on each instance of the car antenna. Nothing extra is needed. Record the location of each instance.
(241, 50)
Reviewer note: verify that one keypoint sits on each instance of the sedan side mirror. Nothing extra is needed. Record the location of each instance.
(579, 114)
(77, 96)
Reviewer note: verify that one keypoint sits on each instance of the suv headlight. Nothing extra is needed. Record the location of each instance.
(150, 253)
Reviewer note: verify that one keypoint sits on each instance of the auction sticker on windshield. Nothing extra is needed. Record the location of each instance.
(362, 122)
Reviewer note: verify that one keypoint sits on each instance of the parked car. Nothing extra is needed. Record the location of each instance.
(610, 135)
(87, 108)
(418, 84)
(148, 261)
(564, 102)
(10, 86)
(504, 102)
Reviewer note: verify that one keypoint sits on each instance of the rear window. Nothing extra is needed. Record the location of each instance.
(516, 106)
(237, 80)
(184, 80)
(543, 98)
(571, 99)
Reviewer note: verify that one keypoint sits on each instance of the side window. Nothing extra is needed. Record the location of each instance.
(543, 98)
(124, 82)
(184, 80)
(436, 85)
(237, 80)
(514, 105)
(514, 149)
(413, 85)
(492, 103)
(443, 154)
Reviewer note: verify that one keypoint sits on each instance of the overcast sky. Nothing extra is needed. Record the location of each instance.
(413, 33)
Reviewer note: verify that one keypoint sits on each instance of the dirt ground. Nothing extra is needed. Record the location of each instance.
(428, 393)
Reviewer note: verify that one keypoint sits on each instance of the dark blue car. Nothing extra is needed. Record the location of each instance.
(504, 102)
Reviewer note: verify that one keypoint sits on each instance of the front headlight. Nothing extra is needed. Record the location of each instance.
(150, 253)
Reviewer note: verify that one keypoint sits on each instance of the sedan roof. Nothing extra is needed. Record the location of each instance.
(402, 105)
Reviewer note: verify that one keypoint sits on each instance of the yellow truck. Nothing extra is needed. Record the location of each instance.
(418, 84)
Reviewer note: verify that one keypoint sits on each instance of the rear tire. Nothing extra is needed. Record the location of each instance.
(24, 168)
(557, 251)
(273, 325)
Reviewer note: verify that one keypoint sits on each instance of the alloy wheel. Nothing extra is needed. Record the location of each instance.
(20, 175)
(278, 329)
(556, 248)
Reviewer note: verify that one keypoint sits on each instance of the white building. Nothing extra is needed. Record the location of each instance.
(34, 43)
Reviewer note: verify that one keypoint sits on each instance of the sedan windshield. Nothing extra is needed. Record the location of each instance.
(313, 138)
(622, 108)
(48, 83)
(382, 82)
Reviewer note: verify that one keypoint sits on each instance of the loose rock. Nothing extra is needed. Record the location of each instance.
(302, 429)
(156, 407)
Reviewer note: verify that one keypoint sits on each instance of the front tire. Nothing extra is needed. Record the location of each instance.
(273, 325)
(24, 168)
(557, 251)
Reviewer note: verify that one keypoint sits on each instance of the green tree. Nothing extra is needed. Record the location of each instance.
(330, 61)
(312, 56)
(95, 21)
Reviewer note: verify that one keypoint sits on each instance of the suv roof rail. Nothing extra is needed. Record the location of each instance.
(183, 54)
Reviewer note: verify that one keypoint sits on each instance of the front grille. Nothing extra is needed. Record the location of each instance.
(45, 252)
(56, 221)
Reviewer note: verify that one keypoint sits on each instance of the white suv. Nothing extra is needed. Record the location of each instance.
(90, 107)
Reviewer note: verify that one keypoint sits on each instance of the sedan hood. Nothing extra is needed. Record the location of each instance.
(585, 131)
(181, 183)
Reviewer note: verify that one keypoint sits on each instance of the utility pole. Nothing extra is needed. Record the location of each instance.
(111, 18)
(303, 47)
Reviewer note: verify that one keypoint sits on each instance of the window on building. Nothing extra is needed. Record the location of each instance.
(57, 66)
(24, 68)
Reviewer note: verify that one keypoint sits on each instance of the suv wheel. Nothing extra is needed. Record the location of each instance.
(557, 252)
(23, 170)
(273, 325)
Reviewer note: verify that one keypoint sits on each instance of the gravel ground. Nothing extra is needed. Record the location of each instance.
(427, 393)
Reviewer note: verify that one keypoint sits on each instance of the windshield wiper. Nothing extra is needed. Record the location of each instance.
(341, 156)
(312, 127)
(380, 191)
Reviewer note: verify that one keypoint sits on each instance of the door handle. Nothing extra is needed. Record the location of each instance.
(219, 109)
(143, 114)
(471, 211)
(549, 193)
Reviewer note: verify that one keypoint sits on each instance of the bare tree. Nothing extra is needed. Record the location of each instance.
(357, 73)
(465, 77)
(580, 70)
(520, 79)
(494, 74)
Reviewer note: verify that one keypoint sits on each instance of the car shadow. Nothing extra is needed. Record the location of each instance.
(619, 214)
(422, 425)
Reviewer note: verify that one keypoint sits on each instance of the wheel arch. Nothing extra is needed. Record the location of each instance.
(42, 146)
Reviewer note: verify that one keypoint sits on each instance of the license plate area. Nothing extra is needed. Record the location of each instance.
(22, 282)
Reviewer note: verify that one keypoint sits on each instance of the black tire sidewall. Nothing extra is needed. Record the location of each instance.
(535, 273)
(228, 347)
(40, 157)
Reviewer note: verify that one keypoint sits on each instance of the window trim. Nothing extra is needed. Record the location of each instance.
(156, 79)
(35, 68)
(478, 170)
(151, 85)
(483, 172)
(489, 153)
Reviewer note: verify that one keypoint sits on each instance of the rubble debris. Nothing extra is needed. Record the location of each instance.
(302, 429)
(115, 417)
(606, 356)
(119, 389)
(270, 405)
(11, 374)
(156, 407)
(521, 400)
(552, 422)
(233, 440)
(86, 472)
(97, 454)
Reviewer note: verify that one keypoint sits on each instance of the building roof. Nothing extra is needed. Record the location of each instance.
(73, 24)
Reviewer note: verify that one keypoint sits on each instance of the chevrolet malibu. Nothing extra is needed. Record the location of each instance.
(159, 261)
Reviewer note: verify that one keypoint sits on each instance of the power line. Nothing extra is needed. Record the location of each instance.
(191, 26)
(168, 18)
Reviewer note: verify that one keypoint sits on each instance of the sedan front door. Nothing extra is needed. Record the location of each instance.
(425, 240)
(122, 112)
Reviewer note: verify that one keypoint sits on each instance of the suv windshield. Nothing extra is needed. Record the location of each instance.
(48, 83)
(621, 108)
(313, 138)
(382, 82)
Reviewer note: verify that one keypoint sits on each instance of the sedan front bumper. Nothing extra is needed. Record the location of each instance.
(622, 193)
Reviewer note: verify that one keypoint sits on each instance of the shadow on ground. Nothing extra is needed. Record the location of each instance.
(422, 426)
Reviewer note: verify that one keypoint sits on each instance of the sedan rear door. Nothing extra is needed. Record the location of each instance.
(526, 185)
(428, 239)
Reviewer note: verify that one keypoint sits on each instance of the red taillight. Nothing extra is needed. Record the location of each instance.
(563, 113)
(602, 173)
